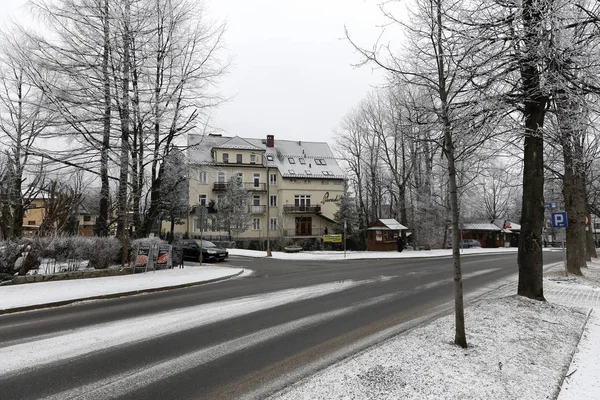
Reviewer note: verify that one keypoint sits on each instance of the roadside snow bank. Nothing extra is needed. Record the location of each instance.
(519, 348)
(15, 296)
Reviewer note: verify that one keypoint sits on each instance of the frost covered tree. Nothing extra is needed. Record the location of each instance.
(174, 190)
(232, 210)
(26, 118)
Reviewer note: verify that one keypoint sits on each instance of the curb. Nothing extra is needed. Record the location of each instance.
(116, 295)
(566, 368)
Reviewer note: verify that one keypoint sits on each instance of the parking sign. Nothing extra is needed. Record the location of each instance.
(559, 220)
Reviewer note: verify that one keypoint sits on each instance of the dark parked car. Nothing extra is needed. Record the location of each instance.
(191, 250)
(468, 243)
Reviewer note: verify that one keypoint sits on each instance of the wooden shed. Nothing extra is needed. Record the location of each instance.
(383, 235)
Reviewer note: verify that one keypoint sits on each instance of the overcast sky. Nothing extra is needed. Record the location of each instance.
(291, 75)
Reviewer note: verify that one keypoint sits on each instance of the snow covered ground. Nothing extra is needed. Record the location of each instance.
(30, 294)
(361, 255)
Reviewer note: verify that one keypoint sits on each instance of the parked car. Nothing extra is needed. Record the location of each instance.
(468, 243)
(210, 251)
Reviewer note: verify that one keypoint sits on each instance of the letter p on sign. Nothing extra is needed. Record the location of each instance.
(559, 220)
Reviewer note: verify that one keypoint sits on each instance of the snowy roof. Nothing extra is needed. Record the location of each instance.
(507, 225)
(388, 224)
(480, 226)
(293, 158)
(237, 142)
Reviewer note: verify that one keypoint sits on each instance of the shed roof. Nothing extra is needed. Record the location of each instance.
(388, 224)
(480, 226)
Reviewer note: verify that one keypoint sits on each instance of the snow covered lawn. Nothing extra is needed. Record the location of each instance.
(15, 296)
(518, 349)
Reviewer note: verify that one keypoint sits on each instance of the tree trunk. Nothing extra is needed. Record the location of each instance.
(103, 216)
(125, 125)
(460, 337)
(574, 195)
(530, 257)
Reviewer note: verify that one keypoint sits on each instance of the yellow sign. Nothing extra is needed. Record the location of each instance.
(332, 238)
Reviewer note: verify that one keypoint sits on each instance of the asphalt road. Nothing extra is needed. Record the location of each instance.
(246, 337)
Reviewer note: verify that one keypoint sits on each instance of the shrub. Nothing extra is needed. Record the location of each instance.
(102, 251)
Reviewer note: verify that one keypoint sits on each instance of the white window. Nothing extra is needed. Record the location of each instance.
(320, 161)
(239, 178)
(273, 179)
(256, 179)
(291, 171)
(238, 158)
(221, 177)
(302, 161)
(273, 224)
(256, 224)
(202, 199)
(256, 200)
(269, 157)
(308, 172)
(225, 158)
(252, 158)
(302, 200)
(291, 160)
(273, 200)
(202, 177)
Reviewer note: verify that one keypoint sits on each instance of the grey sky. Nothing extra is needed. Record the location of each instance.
(291, 74)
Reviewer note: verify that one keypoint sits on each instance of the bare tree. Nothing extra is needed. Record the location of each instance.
(25, 119)
(442, 65)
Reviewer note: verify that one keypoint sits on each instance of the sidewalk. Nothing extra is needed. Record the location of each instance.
(583, 378)
(30, 296)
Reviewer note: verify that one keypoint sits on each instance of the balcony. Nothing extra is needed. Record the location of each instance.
(220, 186)
(255, 187)
(257, 209)
(304, 232)
(293, 209)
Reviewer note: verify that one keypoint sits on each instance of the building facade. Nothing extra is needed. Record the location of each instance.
(293, 187)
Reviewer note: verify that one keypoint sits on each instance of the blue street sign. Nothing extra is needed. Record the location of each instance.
(559, 220)
(550, 205)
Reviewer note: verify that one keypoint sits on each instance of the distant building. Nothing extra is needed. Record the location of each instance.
(294, 187)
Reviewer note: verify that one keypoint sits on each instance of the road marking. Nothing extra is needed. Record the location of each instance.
(121, 384)
(74, 343)
(450, 280)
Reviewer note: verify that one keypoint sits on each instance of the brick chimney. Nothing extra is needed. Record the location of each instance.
(270, 141)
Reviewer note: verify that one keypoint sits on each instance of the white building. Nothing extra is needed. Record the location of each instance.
(294, 187)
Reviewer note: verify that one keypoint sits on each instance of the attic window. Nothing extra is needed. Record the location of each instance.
(291, 171)
(327, 173)
(291, 160)
(320, 161)
(302, 161)
(269, 157)
(308, 172)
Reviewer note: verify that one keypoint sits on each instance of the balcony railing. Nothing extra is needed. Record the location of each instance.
(220, 186)
(250, 186)
(255, 187)
(257, 209)
(305, 232)
(293, 209)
